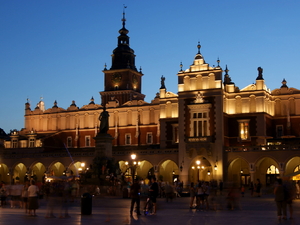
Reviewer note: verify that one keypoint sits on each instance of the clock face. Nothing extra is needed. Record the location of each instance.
(116, 78)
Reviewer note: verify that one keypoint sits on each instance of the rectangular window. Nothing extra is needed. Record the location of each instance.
(127, 139)
(14, 143)
(149, 138)
(87, 141)
(31, 142)
(69, 142)
(279, 131)
(244, 133)
(200, 124)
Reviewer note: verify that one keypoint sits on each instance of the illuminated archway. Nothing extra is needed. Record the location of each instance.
(57, 169)
(200, 169)
(238, 172)
(38, 171)
(143, 170)
(293, 168)
(267, 171)
(4, 174)
(76, 168)
(168, 171)
(20, 173)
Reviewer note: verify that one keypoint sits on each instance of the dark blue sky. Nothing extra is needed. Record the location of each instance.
(57, 49)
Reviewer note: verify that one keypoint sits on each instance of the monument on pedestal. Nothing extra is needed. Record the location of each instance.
(103, 139)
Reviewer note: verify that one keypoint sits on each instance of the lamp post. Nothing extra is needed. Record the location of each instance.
(198, 168)
(133, 165)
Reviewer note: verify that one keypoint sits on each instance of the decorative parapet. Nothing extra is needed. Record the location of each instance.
(262, 148)
(147, 152)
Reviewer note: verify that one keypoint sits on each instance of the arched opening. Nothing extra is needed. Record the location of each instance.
(142, 170)
(19, 174)
(272, 174)
(57, 169)
(77, 168)
(200, 170)
(267, 171)
(293, 168)
(238, 172)
(169, 171)
(38, 172)
(4, 174)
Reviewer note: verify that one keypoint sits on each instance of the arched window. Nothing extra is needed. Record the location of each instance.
(272, 170)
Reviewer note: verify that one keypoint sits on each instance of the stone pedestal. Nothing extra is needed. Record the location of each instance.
(103, 145)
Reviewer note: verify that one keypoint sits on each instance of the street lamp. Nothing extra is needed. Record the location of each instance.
(198, 167)
(133, 165)
(133, 156)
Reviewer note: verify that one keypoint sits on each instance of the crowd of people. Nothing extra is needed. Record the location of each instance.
(213, 195)
(57, 193)
(285, 192)
(204, 195)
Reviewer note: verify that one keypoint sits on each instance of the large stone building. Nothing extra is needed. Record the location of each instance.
(210, 129)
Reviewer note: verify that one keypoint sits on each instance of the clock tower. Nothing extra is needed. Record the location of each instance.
(122, 82)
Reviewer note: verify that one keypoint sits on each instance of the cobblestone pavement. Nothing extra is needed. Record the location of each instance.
(115, 210)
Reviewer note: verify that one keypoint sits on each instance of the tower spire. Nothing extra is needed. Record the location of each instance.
(123, 56)
(199, 46)
(124, 19)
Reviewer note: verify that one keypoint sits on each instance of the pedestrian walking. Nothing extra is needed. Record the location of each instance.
(280, 200)
(33, 193)
(135, 191)
(192, 195)
(25, 197)
(290, 191)
(153, 191)
(258, 187)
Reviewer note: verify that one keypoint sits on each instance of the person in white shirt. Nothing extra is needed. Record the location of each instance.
(33, 204)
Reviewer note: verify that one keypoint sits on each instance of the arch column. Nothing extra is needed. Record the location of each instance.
(156, 172)
(10, 171)
(281, 172)
(184, 175)
(251, 165)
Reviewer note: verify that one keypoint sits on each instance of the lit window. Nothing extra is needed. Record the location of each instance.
(272, 170)
(200, 124)
(14, 143)
(31, 142)
(87, 141)
(69, 142)
(297, 168)
(127, 139)
(149, 138)
(244, 129)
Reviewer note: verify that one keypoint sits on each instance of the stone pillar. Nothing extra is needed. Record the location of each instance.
(184, 177)
(156, 172)
(252, 176)
(103, 145)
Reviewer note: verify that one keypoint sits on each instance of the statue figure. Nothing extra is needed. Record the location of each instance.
(104, 121)
(162, 82)
(260, 73)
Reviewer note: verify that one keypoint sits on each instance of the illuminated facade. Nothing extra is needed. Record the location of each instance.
(209, 130)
